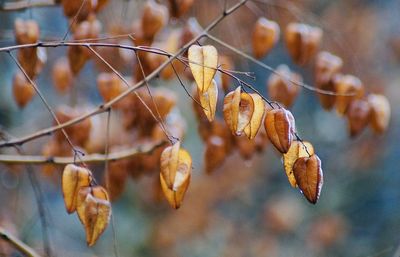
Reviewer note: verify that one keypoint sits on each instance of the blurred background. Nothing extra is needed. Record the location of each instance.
(244, 207)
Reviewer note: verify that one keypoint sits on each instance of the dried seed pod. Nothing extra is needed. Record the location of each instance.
(26, 32)
(280, 127)
(165, 99)
(327, 66)
(208, 100)
(100, 5)
(94, 211)
(78, 55)
(178, 8)
(79, 133)
(71, 8)
(246, 147)
(73, 179)
(265, 36)
(256, 118)
(243, 112)
(261, 141)
(171, 45)
(215, 153)
(76, 58)
(191, 29)
(109, 86)
(280, 87)
(302, 41)
(297, 150)
(231, 109)
(380, 112)
(358, 116)
(23, 91)
(176, 166)
(29, 61)
(154, 18)
(347, 84)
(62, 75)
(117, 178)
(203, 62)
(309, 177)
(226, 63)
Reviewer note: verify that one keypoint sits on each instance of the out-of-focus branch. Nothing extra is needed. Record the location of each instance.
(17, 244)
(89, 158)
(104, 107)
(24, 4)
(269, 68)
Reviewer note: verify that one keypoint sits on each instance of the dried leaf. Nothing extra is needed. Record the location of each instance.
(380, 112)
(73, 179)
(296, 151)
(265, 36)
(280, 127)
(176, 166)
(309, 177)
(203, 62)
(208, 100)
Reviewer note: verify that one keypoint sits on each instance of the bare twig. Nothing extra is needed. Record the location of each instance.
(159, 118)
(102, 108)
(269, 68)
(106, 175)
(74, 20)
(18, 244)
(39, 197)
(33, 84)
(24, 4)
(146, 148)
(128, 85)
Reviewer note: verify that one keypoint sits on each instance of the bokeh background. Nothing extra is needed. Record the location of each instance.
(246, 207)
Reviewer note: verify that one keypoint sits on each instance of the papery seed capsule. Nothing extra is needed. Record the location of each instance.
(265, 36)
(302, 41)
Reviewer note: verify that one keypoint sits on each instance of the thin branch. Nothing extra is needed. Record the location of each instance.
(102, 108)
(146, 148)
(39, 197)
(183, 85)
(33, 84)
(24, 4)
(269, 68)
(74, 20)
(128, 85)
(159, 119)
(18, 244)
(106, 175)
